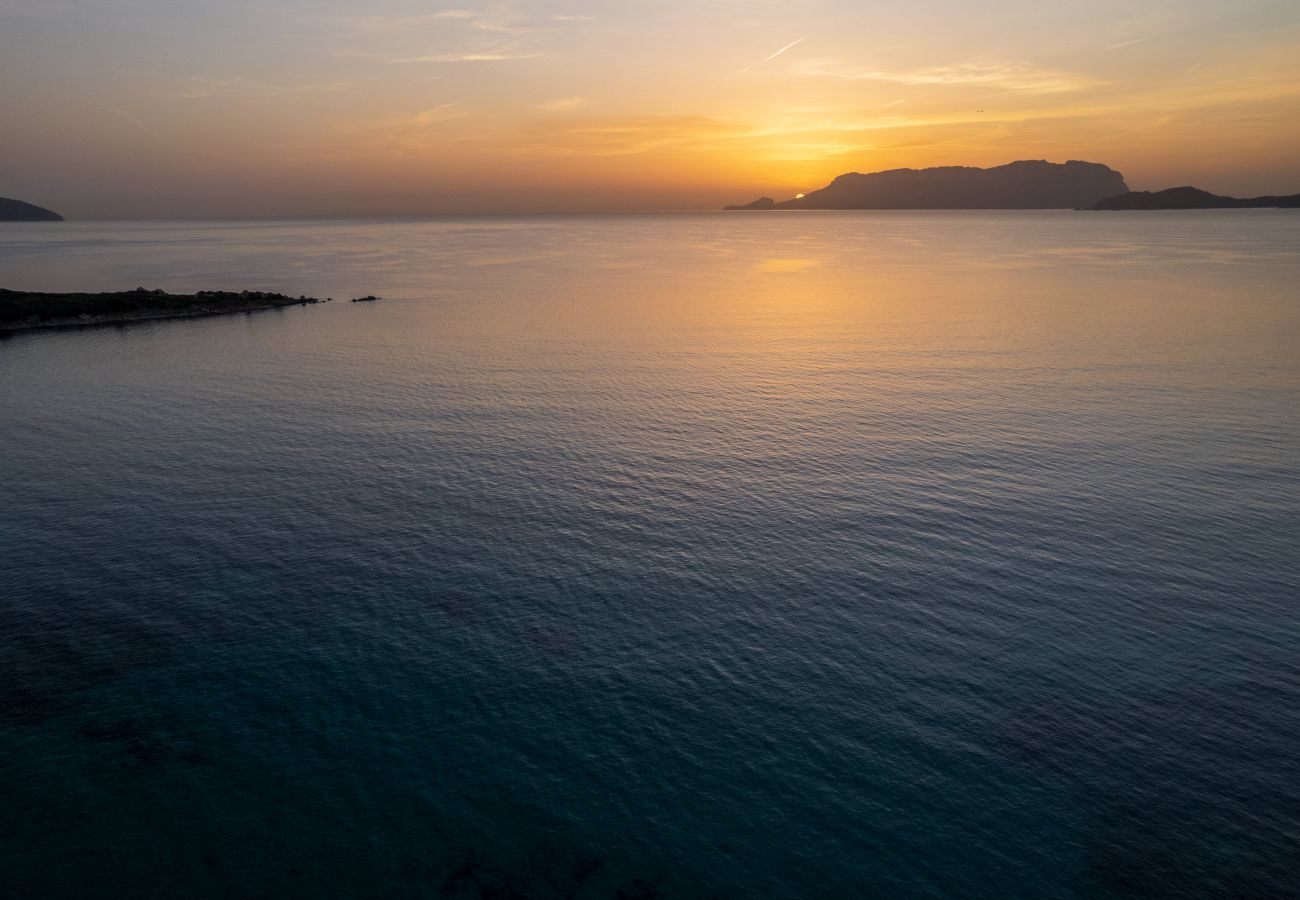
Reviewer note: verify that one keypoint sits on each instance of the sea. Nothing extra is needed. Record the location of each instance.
(781, 555)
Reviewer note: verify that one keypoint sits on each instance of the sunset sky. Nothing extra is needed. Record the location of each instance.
(337, 107)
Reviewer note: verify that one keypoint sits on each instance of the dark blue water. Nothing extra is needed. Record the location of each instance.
(824, 556)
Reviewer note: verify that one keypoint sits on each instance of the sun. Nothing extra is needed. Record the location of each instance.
(798, 196)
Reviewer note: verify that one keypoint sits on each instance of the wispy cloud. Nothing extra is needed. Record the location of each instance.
(565, 104)
(500, 19)
(444, 112)
(194, 88)
(407, 135)
(804, 135)
(999, 74)
(51, 8)
(625, 135)
(1139, 40)
(499, 33)
(454, 56)
(132, 120)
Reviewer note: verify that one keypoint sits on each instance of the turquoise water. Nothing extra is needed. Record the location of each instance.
(837, 555)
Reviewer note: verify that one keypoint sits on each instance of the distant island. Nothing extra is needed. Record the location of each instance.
(18, 211)
(22, 310)
(1028, 184)
(1190, 198)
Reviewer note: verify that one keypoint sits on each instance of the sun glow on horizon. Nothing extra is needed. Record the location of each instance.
(569, 104)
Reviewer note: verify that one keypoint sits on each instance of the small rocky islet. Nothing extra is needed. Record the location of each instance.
(12, 210)
(1189, 198)
(23, 310)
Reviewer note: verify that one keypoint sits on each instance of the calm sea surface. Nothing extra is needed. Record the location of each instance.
(898, 555)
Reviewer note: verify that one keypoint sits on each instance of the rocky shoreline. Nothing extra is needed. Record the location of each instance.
(28, 310)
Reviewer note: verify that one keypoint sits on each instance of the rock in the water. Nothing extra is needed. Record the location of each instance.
(18, 211)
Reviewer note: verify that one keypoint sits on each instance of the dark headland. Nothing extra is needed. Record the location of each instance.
(1028, 184)
(21, 310)
(18, 211)
(1190, 198)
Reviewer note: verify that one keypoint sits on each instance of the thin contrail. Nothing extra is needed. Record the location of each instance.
(785, 48)
(770, 58)
(1143, 39)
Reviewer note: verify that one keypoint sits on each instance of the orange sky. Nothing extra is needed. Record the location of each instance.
(247, 107)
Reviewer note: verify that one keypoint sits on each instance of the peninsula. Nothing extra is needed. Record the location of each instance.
(18, 211)
(1028, 184)
(1190, 198)
(22, 310)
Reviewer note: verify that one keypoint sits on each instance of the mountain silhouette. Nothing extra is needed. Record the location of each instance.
(1028, 184)
(18, 211)
(1189, 198)
(760, 203)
